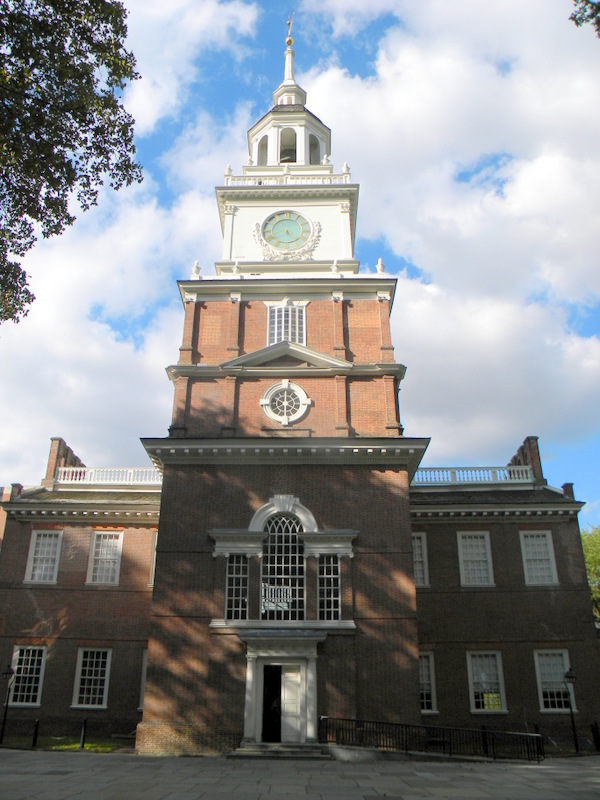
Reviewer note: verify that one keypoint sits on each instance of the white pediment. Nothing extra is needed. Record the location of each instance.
(304, 355)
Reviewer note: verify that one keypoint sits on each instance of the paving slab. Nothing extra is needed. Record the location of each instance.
(27, 775)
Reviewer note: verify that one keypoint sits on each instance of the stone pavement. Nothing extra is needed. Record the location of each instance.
(61, 776)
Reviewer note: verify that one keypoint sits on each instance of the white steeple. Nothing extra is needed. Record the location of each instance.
(288, 92)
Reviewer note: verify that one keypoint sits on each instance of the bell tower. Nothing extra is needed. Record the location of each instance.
(283, 585)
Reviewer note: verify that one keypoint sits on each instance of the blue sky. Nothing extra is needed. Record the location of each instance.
(472, 129)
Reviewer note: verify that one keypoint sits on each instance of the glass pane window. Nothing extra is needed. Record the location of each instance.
(106, 558)
(427, 682)
(487, 690)
(28, 664)
(551, 667)
(286, 324)
(475, 559)
(282, 564)
(329, 588)
(93, 667)
(44, 552)
(420, 566)
(538, 557)
(237, 587)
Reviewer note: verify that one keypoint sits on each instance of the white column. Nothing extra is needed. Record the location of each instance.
(250, 705)
(311, 699)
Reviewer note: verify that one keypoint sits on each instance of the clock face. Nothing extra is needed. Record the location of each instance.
(286, 230)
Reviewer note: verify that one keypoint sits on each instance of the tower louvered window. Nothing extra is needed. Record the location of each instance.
(282, 585)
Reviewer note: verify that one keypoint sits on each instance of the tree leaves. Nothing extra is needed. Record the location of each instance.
(590, 541)
(63, 128)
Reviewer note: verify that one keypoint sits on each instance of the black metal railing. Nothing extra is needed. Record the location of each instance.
(431, 739)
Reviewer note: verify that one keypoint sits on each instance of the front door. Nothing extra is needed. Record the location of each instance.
(291, 704)
(271, 727)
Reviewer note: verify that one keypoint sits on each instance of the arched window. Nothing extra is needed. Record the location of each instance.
(287, 146)
(262, 152)
(282, 564)
(314, 150)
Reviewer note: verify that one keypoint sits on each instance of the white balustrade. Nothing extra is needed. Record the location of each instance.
(284, 180)
(452, 476)
(109, 475)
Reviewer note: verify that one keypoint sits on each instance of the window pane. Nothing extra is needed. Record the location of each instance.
(537, 556)
(552, 668)
(329, 588)
(475, 560)
(45, 556)
(28, 672)
(93, 677)
(106, 558)
(426, 682)
(282, 591)
(420, 559)
(485, 672)
(286, 324)
(237, 587)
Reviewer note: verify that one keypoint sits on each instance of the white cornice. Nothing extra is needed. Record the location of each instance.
(200, 371)
(259, 358)
(494, 511)
(393, 451)
(296, 288)
(38, 512)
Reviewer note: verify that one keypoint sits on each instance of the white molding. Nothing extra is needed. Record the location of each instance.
(283, 504)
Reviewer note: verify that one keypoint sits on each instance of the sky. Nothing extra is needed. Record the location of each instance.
(472, 128)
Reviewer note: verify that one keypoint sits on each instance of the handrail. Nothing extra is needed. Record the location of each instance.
(431, 738)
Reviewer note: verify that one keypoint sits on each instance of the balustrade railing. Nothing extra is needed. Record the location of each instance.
(109, 475)
(286, 180)
(431, 739)
(447, 476)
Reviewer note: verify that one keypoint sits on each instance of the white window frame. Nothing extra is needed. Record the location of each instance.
(153, 559)
(286, 386)
(237, 586)
(77, 685)
(564, 655)
(295, 308)
(471, 655)
(431, 662)
(92, 560)
(329, 594)
(29, 571)
(464, 577)
(143, 679)
(528, 560)
(424, 562)
(40, 682)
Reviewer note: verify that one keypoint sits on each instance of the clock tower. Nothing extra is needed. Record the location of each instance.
(283, 587)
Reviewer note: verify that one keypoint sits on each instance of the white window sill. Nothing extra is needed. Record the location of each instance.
(90, 708)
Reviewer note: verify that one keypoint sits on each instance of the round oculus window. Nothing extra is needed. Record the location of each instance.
(285, 402)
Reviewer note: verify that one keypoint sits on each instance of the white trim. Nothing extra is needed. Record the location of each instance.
(498, 656)
(77, 684)
(90, 572)
(283, 504)
(549, 553)
(564, 653)
(294, 389)
(431, 660)
(423, 538)
(488, 556)
(35, 534)
(14, 663)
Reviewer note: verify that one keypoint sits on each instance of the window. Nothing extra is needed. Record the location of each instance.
(475, 559)
(538, 557)
(105, 558)
(427, 683)
(237, 587)
(28, 664)
(314, 150)
(91, 681)
(285, 402)
(486, 685)
(286, 323)
(44, 554)
(554, 693)
(282, 564)
(420, 565)
(262, 151)
(287, 146)
(153, 562)
(329, 588)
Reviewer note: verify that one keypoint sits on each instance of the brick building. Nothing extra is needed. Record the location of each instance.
(303, 564)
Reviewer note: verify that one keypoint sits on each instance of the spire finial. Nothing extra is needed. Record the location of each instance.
(289, 41)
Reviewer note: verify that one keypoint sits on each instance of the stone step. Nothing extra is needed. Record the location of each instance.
(280, 751)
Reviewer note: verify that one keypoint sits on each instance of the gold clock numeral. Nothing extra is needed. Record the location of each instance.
(287, 214)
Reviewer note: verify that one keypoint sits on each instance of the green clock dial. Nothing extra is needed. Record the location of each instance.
(286, 230)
